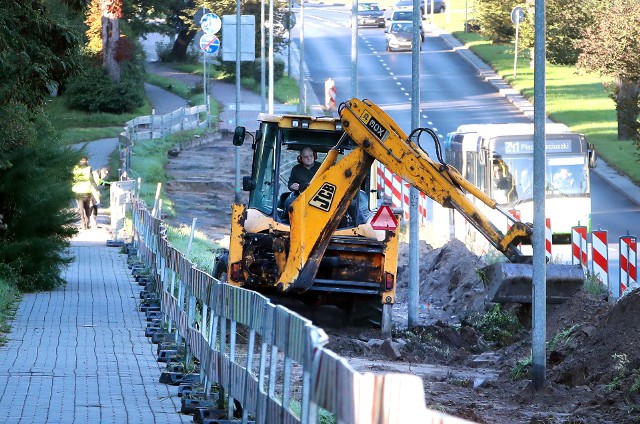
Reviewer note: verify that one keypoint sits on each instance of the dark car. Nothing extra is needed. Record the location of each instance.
(370, 14)
(400, 36)
(439, 6)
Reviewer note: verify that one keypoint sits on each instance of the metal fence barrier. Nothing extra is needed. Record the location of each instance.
(158, 126)
(266, 357)
(280, 371)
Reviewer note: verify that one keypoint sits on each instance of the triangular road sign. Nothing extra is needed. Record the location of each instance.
(384, 219)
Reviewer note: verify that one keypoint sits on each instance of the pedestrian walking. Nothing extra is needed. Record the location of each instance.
(96, 194)
(83, 186)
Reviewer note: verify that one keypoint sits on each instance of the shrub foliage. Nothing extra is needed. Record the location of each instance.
(35, 195)
(95, 91)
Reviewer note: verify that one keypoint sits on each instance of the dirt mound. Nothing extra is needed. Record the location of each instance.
(606, 351)
(448, 279)
(202, 184)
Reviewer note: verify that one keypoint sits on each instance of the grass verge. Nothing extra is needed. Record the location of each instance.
(77, 126)
(286, 89)
(201, 252)
(9, 297)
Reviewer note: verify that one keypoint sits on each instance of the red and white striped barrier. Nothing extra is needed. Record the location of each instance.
(548, 238)
(579, 245)
(628, 263)
(397, 191)
(600, 257)
(330, 95)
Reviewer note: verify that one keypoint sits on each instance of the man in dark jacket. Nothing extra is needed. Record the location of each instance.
(303, 172)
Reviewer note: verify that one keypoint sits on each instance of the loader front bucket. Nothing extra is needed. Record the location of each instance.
(511, 283)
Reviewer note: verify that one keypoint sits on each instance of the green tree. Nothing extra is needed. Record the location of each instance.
(494, 17)
(39, 48)
(611, 47)
(35, 196)
(565, 20)
(179, 21)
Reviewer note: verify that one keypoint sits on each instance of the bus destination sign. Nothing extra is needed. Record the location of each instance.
(526, 146)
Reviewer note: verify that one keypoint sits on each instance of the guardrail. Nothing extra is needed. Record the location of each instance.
(158, 126)
(281, 361)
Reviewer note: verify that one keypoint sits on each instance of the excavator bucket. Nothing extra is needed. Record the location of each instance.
(511, 283)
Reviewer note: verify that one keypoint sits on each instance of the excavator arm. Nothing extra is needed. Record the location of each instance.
(317, 211)
(372, 129)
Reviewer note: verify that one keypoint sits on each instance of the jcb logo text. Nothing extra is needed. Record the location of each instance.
(323, 197)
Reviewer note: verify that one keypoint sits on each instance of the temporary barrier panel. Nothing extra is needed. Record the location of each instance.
(600, 257)
(330, 95)
(548, 235)
(579, 245)
(628, 263)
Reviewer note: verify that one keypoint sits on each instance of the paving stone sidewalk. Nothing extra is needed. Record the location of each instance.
(79, 354)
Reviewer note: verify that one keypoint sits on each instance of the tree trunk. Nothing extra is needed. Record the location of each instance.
(627, 108)
(110, 37)
(179, 50)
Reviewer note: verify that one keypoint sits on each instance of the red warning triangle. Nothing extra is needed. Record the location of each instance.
(384, 219)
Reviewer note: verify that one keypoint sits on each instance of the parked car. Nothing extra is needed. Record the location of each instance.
(370, 14)
(403, 15)
(439, 6)
(400, 36)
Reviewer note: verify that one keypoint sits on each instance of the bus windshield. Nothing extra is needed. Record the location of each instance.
(566, 175)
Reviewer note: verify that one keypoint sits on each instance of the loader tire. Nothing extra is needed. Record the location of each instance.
(220, 269)
(366, 313)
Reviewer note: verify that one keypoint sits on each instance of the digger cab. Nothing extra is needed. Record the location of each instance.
(278, 145)
(356, 270)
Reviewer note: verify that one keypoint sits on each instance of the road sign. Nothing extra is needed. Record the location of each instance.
(517, 15)
(209, 43)
(288, 20)
(199, 14)
(384, 219)
(210, 23)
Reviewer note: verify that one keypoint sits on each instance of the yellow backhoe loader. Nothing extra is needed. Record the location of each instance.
(319, 246)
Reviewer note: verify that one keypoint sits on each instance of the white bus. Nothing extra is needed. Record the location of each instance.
(498, 158)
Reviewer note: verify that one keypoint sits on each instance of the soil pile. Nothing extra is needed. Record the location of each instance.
(202, 184)
(450, 287)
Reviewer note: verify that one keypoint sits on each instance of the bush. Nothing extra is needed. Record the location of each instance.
(164, 49)
(278, 69)
(498, 326)
(35, 194)
(95, 91)
(252, 69)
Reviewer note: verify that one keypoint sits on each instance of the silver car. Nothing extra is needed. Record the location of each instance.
(400, 36)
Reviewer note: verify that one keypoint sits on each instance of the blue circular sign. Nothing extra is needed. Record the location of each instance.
(517, 15)
(210, 23)
(209, 43)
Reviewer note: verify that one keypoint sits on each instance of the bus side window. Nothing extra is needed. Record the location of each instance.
(481, 178)
(470, 171)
